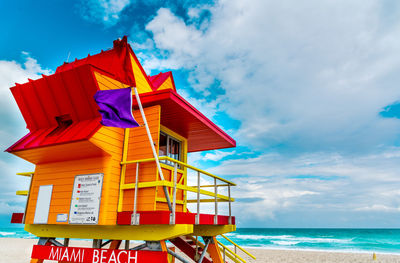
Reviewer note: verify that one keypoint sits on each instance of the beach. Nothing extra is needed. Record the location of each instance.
(305, 256)
(18, 250)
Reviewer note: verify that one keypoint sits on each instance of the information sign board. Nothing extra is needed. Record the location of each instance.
(86, 197)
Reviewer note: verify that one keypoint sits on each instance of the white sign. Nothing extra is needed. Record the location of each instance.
(62, 218)
(85, 202)
(43, 204)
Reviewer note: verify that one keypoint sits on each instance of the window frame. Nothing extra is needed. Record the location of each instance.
(180, 154)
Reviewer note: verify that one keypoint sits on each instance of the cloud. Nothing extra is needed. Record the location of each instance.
(12, 72)
(379, 208)
(217, 155)
(322, 183)
(7, 209)
(307, 82)
(103, 11)
(13, 128)
(310, 77)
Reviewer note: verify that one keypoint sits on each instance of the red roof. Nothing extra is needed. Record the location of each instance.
(67, 97)
(67, 93)
(115, 61)
(158, 80)
(76, 132)
(180, 116)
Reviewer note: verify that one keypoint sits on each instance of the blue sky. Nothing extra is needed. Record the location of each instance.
(309, 90)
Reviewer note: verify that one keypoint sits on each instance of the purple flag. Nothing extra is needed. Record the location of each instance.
(116, 108)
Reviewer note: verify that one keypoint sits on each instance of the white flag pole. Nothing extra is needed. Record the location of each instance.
(153, 148)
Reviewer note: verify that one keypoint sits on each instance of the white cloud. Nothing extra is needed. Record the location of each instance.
(13, 128)
(7, 209)
(104, 11)
(12, 72)
(310, 76)
(379, 208)
(217, 155)
(307, 82)
(275, 183)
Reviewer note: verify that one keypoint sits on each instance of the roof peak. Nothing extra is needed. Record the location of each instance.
(120, 43)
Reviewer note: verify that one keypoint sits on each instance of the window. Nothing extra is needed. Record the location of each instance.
(170, 147)
(63, 121)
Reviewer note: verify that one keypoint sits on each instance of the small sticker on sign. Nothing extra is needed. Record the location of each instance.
(62, 217)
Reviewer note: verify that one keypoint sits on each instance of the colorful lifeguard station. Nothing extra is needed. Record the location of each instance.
(112, 184)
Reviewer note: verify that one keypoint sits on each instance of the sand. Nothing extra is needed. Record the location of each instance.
(17, 250)
(302, 256)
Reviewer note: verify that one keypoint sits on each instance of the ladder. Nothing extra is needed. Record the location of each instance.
(194, 249)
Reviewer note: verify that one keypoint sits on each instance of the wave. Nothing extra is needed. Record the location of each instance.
(8, 233)
(285, 243)
(297, 239)
(259, 237)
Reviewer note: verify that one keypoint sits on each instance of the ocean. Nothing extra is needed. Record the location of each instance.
(345, 240)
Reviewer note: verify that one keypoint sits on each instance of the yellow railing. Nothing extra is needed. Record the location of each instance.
(166, 158)
(234, 253)
(24, 192)
(28, 174)
(226, 251)
(174, 185)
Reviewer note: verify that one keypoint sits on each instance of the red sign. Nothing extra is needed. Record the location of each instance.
(95, 255)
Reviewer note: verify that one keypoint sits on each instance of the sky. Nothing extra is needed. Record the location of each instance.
(308, 89)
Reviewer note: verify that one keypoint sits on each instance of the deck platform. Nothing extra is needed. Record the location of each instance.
(163, 218)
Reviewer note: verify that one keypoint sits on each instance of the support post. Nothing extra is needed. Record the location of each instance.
(204, 252)
(115, 244)
(123, 170)
(127, 244)
(134, 220)
(214, 251)
(153, 148)
(173, 214)
(66, 242)
(198, 199)
(177, 256)
(216, 201)
(230, 204)
(97, 243)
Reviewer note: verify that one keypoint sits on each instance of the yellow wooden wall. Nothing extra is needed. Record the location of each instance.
(107, 145)
(110, 139)
(151, 198)
(61, 175)
(142, 82)
(161, 203)
(139, 148)
(106, 83)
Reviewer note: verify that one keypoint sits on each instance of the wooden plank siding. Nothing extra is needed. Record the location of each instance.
(61, 152)
(110, 139)
(102, 153)
(142, 83)
(139, 148)
(168, 175)
(106, 83)
(61, 175)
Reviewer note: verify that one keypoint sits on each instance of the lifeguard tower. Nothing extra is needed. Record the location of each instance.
(112, 184)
